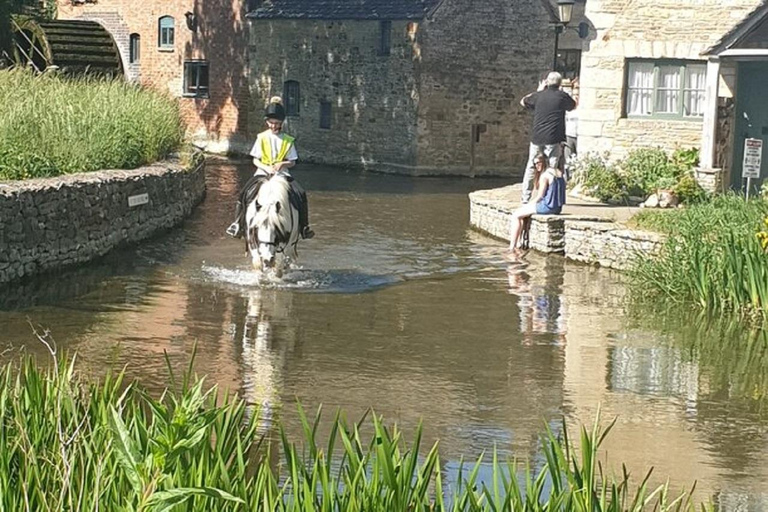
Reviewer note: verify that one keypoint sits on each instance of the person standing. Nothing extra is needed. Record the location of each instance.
(549, 105)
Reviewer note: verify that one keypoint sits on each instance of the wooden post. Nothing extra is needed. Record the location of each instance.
(709, 125)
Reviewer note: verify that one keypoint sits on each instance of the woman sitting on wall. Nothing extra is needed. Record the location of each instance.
(549, 191)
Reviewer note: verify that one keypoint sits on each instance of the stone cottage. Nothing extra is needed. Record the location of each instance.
(676, 73)
(413, 86)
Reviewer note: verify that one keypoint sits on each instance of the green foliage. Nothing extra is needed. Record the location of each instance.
(599, 179)
(647, 170)
(712, 257)
(641, 174)
(52, 125)
(70, 444)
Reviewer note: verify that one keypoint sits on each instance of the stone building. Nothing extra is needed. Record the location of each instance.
(676, 73)
(193, 49)
(413, 86)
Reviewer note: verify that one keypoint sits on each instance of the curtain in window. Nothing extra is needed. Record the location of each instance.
(693, 96)
(668, 90)
(640, 90)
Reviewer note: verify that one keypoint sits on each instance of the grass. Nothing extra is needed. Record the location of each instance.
(67, 443)
(52, 125)
(713, 257)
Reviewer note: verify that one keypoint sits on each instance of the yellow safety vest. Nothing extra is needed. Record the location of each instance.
(266, 148)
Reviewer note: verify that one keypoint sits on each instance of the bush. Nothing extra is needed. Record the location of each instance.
(712, 257)
(52, 125)
(644, 168)
(598, 178)
(642, 173)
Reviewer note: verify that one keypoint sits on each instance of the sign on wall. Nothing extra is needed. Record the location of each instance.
(753, 156)
(138, 200)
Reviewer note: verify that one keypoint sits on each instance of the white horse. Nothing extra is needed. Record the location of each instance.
(272, 225)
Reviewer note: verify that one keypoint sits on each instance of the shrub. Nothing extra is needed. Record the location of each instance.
(51, 125)
(689, 191)
(647, 170)
(598, 178)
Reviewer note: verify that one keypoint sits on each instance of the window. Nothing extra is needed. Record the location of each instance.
(325, 115)
(196, 79)
(568, 63)
(165, 33)
(665, 89)
(291, 97)
(134, 48)
(385, 37)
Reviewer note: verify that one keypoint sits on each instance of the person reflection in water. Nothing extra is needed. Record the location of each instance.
(541, 311)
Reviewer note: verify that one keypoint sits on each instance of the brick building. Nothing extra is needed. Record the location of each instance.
(194, 49)
(421, 87)
(676, 73)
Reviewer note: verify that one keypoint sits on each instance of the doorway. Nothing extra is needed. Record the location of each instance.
(751, 120)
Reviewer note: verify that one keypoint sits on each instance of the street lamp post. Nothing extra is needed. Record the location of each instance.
(564, 11)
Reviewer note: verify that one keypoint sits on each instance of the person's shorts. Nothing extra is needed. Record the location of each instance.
(543, 209)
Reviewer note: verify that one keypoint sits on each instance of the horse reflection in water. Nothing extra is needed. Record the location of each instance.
(263, 357)
(272, 221)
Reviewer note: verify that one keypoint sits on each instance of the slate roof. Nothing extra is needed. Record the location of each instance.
(740, 31)
(345, 9)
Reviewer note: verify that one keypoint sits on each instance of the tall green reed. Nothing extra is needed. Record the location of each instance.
(712, 258)
(52, 125)
(69, 443)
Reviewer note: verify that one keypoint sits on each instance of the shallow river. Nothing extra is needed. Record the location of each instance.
(399, 306)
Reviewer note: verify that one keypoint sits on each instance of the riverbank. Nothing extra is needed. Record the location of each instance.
(588, 232)
(58, 222)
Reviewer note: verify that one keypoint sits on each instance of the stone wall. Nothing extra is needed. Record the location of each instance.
(373, 97)
(55, 222)
(477, 60)
(218, 122)
(586, 239)
(443, 101)
(663, 29)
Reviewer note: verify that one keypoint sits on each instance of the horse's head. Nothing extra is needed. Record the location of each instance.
(269, 222)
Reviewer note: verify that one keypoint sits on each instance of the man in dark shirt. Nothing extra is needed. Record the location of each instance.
(549, 105)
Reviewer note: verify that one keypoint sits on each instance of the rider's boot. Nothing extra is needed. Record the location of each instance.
(307, 233)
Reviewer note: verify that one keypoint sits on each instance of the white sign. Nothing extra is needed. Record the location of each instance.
(753, 155)
(138, 200)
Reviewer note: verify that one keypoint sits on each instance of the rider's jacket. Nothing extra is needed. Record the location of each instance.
(265, 144)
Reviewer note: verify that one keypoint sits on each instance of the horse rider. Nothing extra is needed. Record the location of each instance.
(273, 152)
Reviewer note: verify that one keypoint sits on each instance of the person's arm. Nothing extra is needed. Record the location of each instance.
(544, 181)
(529, 100)
(285, 164)
(269, 169)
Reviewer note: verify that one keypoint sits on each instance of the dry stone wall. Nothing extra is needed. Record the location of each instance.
(580, 238)
(56, 222)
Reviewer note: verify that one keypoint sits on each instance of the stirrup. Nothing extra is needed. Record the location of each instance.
(234, 229)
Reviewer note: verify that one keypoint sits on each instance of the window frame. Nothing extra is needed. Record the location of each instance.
(326, 107)
(167, 46)
(134, 48)
(292, 104)
(683, 65)
(197, 63)
(565, 52)
(385, 38)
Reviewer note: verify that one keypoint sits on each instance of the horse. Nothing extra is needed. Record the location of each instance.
(272, 223)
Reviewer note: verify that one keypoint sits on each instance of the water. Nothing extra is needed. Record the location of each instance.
(398, 306)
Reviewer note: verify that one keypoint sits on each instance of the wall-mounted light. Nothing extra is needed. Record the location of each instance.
(565, 10)
(191, 21)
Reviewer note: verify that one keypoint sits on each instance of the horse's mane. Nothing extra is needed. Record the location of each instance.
(275, 190)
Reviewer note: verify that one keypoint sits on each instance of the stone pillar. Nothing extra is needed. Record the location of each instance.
(707, 175)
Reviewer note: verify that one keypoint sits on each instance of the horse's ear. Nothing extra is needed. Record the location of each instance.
(277, 207)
